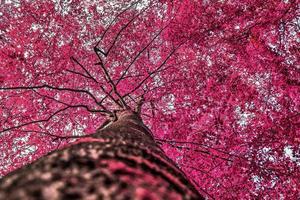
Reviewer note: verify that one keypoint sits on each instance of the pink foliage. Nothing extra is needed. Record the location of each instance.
(220, 81)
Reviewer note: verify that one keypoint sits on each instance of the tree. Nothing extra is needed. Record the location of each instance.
(120, 161)
(218, 81)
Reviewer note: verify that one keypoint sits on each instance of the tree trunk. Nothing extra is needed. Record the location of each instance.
(120, 161)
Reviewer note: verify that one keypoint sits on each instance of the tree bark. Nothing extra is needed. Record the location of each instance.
(120, 161)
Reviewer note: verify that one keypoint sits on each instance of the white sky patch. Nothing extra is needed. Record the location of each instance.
(257, 180)
(78, 131)
(57, 96)
(6, 163)
(157, 80)
(266, 154)
(26, 54)
(100, 9)
(273, 101)
(60, 43)
(262, 81)
(62, 6)
(68, 126)
(275, 48)
(155, 56)
(243, 117)
(259, 79)
(16, 122)
(289, 153)
(23, 149)
(26, 150)
(36, 27)
(99, 95)
(16, 3)
(161, 13)
(21, 139)
(178, 159)
(208, 61)
(206, 2)
(250, 105)
(143, 4)
(187, 101)
(170, 101)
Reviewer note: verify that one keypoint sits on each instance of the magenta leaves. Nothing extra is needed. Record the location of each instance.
(218, 81)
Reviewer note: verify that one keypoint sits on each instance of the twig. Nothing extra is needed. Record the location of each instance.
(51, 87)
(117, 36)
(104, 111)
(156, 70)
(35, 121)
(109, 80)
(103, 35)
(86, 71)
(139, 53)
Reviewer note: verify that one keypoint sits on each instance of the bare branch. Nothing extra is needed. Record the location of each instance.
(53, 88)
(104, 112)
(156, 70)
(86, 71)
(110, 96)
(134, 59)
(109, 80)
(200, 151)
(35, 121)
(78, 73)
(110, 24)
(199, 144)
(140, 53)
(53, 135)
(121, 30)
(52, 115)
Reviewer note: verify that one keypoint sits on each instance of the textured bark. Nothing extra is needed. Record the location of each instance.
(120, 161)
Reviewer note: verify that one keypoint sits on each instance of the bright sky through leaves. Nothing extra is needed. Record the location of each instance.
(220, 81)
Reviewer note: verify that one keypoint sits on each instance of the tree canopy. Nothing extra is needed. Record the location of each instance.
(219, 82)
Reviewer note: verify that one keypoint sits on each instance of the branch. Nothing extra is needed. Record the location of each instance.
(156, 70)
(201, 151)
(78, 73)
(86, 71)
(122, 29)
(102, 88)
(133, 61)
(117, 36)
(104, 111)
(110, 96)
(53, 135)
(53, 88)
(140, 52)
(110, 24)
(198, 144)
(109, 80)
(35, 121)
